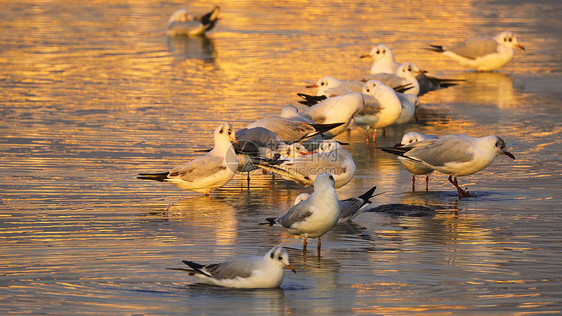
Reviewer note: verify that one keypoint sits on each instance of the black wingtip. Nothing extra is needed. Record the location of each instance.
(400, 151)
(153, 176)
(435, 48)
(196, 266)
(367, 195)
(310, 100)
(326, 127)
(270, 220)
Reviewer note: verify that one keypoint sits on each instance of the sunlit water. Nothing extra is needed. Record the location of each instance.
(93, 93)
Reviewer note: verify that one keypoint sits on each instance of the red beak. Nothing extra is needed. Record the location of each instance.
(312, 86)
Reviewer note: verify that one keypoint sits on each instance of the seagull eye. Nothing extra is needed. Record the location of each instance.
(367, 90)
(322, 83)
(510, 39)
(280, 258)
(384, 51)
(378, 52)
(229, 132)
(272, 255)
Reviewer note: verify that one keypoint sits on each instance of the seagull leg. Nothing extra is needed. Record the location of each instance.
(384, 132)
(319, 245)
(367, 136)
(454, 181)
(248, 180)
(374, 136)
(304, 245)
(416, 116)
(427, 182)
(413, 183)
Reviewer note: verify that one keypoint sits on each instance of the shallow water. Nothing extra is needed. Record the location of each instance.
(93, 93)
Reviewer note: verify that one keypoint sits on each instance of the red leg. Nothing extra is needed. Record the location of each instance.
(454, 181)
(374, 135)
(427, 182)
(413, 183)
(304, 245)
(384, 132)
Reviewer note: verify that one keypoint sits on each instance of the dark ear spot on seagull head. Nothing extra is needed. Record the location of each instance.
(272, 255)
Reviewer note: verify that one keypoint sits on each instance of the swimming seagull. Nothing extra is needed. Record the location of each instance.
(207, 172)
(329, 157)
(413, 166)
(349, 208)
(250, 272)
(482, 53)
(314, 216)
(183, 23)
(455, 155)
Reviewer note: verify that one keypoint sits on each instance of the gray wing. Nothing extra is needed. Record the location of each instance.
(346, 87)
(258, 135)
(442, 151)
(198, 168)
(475, 47)
(289, 131)
(349, 207)
(297, 213)
(241, 267)
(372, 106)
(390, 80)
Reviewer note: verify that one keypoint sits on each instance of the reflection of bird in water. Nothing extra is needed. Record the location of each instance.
(455, 155)
(244, 272)
(482, 53)
(494, 88)
(199, 47)
(183, 23)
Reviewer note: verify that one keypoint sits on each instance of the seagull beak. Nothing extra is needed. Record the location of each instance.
(510, 155)
(312, 86)
(520, 46)
(288, 266)
(306, 153)
(399, 145)
(234, 140)
(364, 56)
(422, 72)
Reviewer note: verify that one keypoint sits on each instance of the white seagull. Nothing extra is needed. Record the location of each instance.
(249, 272)
(482, 53)
(329, 157)
(413, 166)
(405, 76)
(336, 109)
(183, 23)
(383, 60)
(207, 172)
(383, 111)
(455, 155)
(349, 208)
(314, 216)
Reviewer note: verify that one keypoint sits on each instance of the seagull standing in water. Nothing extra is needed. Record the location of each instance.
(250, 272)
(207, 172)
(482, 53)
(314, 216)
(455, 155)
(413, 166)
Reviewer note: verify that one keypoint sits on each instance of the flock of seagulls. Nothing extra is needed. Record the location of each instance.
(298, 145)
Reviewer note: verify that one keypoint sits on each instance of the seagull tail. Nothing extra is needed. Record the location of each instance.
(403, 88)
(310, 100)
(399, 151)
(210, 19)
(162, 176)
(435, 48)
(367, 195)
(322, 128)
(197, 268)
(270, 221)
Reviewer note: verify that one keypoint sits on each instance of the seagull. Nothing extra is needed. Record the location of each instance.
(455, 155)
(207, 172)
(336, 109)
(315, 216)
(382, 112)
(349, 208)
(410, 104)
(292, 131)
(330, 86)
(405, 75)
(249, 272)
(182, 23)
(413, 166)
(383, 60)
(329, 157)
(292, 112)
(482, 53)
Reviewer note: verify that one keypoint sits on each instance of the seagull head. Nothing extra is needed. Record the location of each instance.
(323, 181)
(289, 111)
(224, 132)
(379, 90)
(408, 70)
(380, 51)
(508, 39)
(278, 255)
(412, 137)
(295, 150)
(301, 197)
(501, 148)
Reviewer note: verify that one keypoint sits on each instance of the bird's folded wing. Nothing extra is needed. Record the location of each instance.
(199, 168)
(475, 47)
